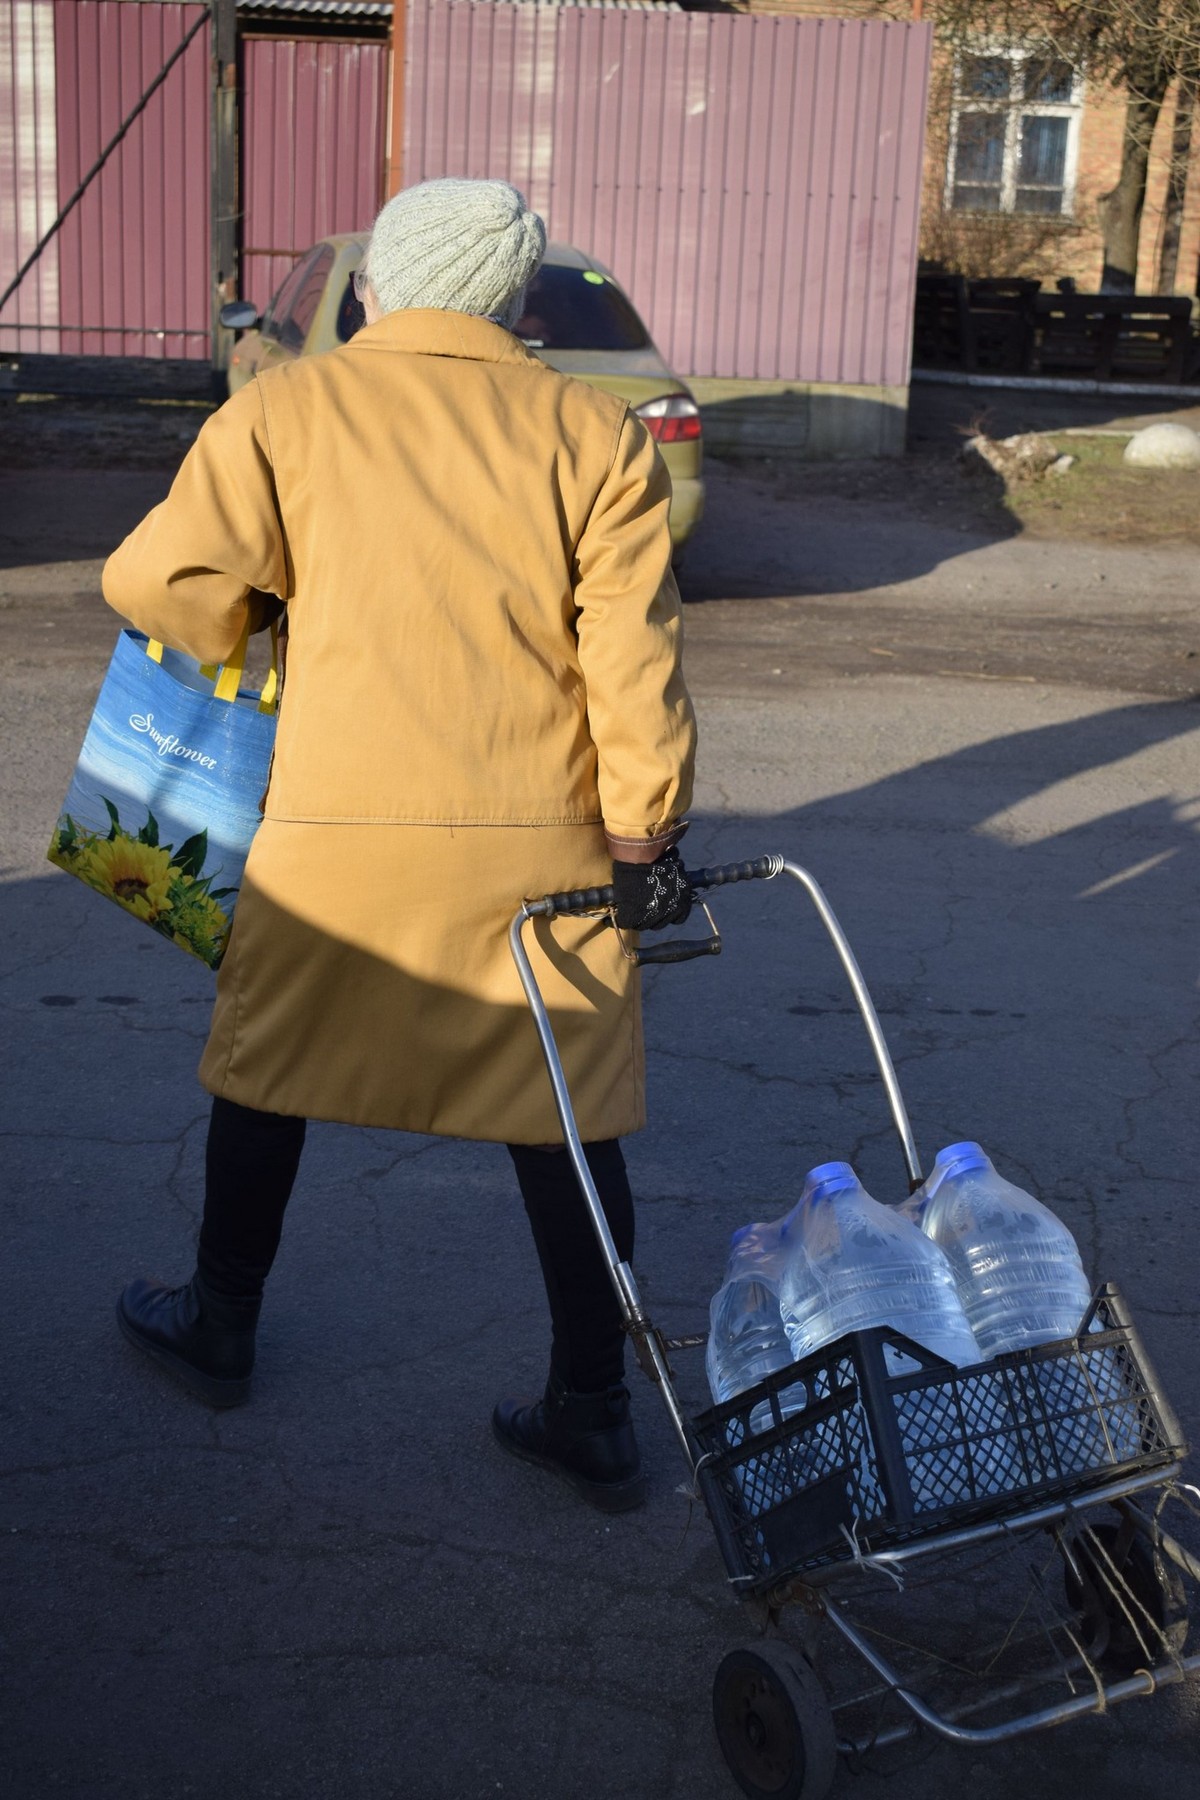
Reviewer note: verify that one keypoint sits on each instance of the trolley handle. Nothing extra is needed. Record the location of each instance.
(676, 950)
(651, 1348)
(599, 899)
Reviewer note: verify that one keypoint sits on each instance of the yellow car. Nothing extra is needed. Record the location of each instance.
(576, 318)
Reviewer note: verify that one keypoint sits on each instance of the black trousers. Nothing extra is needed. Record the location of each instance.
(250, 1168)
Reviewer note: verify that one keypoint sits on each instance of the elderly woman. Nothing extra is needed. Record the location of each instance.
(483, 701)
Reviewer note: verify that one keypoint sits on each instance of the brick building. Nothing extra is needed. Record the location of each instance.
(1019, 148)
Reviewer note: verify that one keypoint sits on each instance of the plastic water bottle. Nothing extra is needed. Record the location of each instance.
(746, 1343)
(746, 1338)
(1016, 1266)
(854, 1263)
(1021, 1282)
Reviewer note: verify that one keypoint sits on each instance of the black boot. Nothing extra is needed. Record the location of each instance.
(204, 1339)
(586, 1438)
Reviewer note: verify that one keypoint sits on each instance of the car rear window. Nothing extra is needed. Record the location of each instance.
(296, 326)
(291, 313)
(578, 309)
(280, 303)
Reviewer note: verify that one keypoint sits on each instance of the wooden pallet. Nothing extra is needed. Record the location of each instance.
(1112, 337)
(1008, 326)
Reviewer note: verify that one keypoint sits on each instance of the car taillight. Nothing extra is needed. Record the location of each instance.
(673, 419)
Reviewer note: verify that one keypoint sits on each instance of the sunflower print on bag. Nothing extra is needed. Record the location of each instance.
(163, 887)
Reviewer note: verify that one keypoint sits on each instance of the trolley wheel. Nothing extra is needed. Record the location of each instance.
(773, 1723)
(1153, 1583)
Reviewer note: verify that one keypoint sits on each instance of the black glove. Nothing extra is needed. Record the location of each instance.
(648, 896)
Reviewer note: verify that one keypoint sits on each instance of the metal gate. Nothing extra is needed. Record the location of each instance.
(127, 273)
(114, 97)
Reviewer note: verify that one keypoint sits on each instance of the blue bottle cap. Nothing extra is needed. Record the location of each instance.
(967, 1155)
(829, 1178)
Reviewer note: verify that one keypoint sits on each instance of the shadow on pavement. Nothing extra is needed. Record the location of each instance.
(63, 515)
(783, 527)
(340, 1589)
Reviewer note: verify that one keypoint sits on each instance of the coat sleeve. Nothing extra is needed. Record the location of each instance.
(214, 550)
(630, 632)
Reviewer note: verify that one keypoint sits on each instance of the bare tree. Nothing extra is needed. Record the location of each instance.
(1177, 178)
(1145, 69)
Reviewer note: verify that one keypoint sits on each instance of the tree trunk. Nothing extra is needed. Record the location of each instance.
(1121, 209)
(1177, 180)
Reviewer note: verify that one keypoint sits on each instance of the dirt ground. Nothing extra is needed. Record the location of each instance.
(800, 570)
(40, 431)
(1100, 501)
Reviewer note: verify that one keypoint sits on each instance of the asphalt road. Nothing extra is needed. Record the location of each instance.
(987, 751)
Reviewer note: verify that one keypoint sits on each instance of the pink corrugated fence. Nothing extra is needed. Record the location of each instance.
(28, 179)
(134, 255)
(754, 182)
(313, 119)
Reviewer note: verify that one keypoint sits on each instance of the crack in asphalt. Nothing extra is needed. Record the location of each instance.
(94, 1137)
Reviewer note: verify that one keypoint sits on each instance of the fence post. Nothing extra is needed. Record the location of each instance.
(398, 45)
(224, 193)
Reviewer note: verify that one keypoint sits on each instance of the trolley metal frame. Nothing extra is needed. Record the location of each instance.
(812, 1591)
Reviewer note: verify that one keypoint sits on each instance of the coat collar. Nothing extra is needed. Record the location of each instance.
(425, 332)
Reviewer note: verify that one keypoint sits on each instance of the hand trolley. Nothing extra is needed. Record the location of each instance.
(851, 1490)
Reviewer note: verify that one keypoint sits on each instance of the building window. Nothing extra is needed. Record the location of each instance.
(1014, 132)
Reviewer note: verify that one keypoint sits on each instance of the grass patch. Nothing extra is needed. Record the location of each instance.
(1104, 500)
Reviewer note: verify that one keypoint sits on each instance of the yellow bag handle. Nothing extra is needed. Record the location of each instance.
(227, 679)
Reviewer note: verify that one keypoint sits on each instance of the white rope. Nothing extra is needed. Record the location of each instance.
(874, 1565)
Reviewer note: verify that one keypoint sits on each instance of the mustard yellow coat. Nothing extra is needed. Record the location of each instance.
(483, 697)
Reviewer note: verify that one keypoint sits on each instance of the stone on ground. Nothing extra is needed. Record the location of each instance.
(1164, 446)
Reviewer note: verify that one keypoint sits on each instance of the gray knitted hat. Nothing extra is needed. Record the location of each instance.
(462, 246)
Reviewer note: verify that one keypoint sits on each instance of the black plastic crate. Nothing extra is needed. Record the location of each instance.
(878, 1457)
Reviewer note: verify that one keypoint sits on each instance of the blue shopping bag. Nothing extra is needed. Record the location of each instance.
(166, 793)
